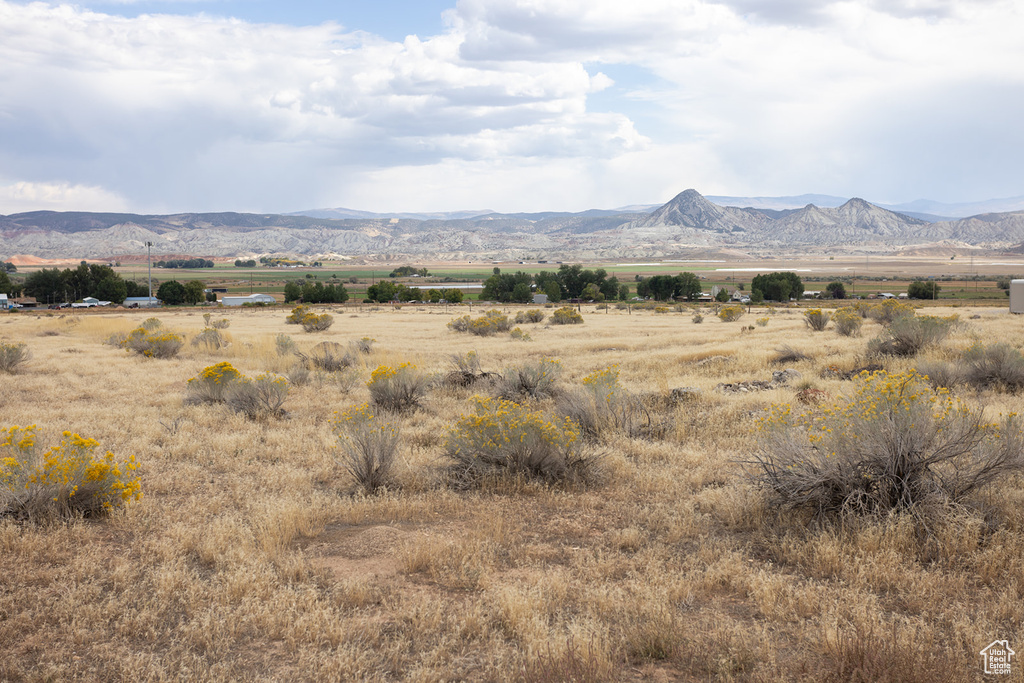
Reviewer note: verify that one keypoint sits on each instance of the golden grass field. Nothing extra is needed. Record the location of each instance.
(249, 557)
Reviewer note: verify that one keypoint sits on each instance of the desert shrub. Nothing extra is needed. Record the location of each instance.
(603, 405)
(297, 314)
(762, 322)
(369, 445)
(364, 345)
(209, 339)
(502, 437)
(343, 380)
(490, 323)
(284, 344)
(63, 481)
(150, 324)
(328, 356)
(258, 397)
(298, 375)
(907, 335)
(816, 319)
(467, 363)
(210, 384)
(847, 321)
(397, 389)
(895, 446)
(998, 366)
(460, 324)
(889, 310)
(942, 375)
(221, 324)
(698, 318)
(535, 379)
(730, 313)
(566, 316)
(787, 354)
(153, 344)
(661, 309)
(311, 322)
(13, 356)
(517, 334)
(533, 315)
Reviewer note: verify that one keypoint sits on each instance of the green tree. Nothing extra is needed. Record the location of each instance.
(172, 293)
(591, 292)
(837, 290)
(112, 289)
(453, 296)
(522, 293)
(623, 292)
(778, 286)
(919, 289)
(194, 292)
(292, 291)
(722, 296)
(687, 285)
(6, 286)
(46, 285)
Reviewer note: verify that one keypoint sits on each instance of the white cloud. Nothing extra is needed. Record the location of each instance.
(22, 196)
(160, 113)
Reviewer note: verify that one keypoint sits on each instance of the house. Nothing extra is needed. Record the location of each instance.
(4, 303)
(248, 299)
(141, 302)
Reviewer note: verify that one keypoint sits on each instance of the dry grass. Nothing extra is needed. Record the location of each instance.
(248, 559)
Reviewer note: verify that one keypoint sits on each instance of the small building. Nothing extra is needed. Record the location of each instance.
(141, 302)
(248, 299)
(4, 303)
(1016, 296)
(24, 302)
(539, 299)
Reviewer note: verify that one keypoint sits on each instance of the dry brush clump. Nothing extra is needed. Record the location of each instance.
(896, 446)
(398, 389)
(505, 438)
(908, 335)
(257, 397)
(533, 315)
(602, 405)
(490, 323)
(369, 442)
(534, 379)
(327, 356)
(13, 356)
(731, 313)
(67, 480)
(209, 339)
(816, 319)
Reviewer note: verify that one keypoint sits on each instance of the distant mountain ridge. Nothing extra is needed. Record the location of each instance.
(688, 221)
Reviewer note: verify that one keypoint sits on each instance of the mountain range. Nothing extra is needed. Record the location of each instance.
(687, 223)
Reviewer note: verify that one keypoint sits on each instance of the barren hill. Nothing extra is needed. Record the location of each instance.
(686, 223)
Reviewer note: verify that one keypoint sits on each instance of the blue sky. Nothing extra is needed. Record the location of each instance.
(511, 105)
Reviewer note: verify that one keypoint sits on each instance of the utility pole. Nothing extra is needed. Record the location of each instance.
(149, 270)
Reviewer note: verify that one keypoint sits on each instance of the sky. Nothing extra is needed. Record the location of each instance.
(509, 105)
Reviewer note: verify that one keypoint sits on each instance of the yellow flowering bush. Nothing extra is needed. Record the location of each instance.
(68, 479)
(896, 445)
(397, 389)
(504, 437)
(816, 319)
(566, 316)
(297, 314)
(730, 313)
(890, 310)
(490, 323)
(847, 321)
(153, 344)
(311, 322)
(369, 444)
(210, 384)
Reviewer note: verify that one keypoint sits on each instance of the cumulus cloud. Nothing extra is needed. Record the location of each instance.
(161, 113)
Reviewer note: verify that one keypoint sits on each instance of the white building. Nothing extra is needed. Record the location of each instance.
(1016, 296)
(141, 302)
(248, 299)
(4, 303)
